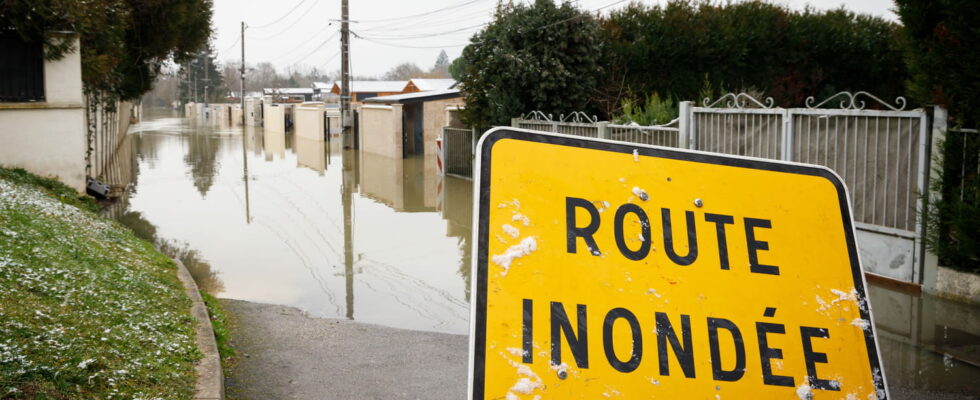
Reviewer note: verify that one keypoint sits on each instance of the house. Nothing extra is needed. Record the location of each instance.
(425, 85)
(290, 95)
(42, 111)
(322, 93)
(404, 124)
(361, 90)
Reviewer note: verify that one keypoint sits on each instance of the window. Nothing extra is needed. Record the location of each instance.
(366, 95)
(21, 69)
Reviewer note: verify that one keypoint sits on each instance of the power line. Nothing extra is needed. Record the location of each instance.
(232, 45)
(424, 35)
(381, 42)
(406, 46)
(302, 43)
(290, 26)
(455, 16)
(422, 14)
(324, 43)
(280, 18)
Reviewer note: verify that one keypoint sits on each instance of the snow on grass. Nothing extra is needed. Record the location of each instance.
(87, 310)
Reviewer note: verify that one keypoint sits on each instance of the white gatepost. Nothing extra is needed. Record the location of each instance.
(684, 132)
(930, 262)
(787, 142)
(603, 129)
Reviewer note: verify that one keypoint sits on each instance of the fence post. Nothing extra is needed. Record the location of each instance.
(684, 133)
(554, 127)
(787, 142)
(930, 261)
(513, 122)
(603, 129)
(473, 140)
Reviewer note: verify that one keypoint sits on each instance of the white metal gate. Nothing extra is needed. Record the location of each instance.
(880, 154)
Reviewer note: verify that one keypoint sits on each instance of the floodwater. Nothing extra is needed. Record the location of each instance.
(386, 241)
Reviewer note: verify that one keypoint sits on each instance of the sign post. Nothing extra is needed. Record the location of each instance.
(614, 270)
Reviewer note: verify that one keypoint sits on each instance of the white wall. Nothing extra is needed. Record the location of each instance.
(309, 122)
(48, 138)
(275, 118)
(381, 130)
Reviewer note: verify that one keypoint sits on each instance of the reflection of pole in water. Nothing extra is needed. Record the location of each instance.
(248, 210)
(347, 192)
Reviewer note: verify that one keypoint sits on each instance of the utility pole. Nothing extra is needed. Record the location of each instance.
(242, 74)
(248, 208)
(206, 80)
(345, 109)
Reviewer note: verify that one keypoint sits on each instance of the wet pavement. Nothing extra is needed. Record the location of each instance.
(385, 241)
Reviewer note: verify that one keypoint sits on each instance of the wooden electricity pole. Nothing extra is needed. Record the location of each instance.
(345, 109)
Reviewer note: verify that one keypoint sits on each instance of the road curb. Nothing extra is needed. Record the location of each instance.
(210, 380)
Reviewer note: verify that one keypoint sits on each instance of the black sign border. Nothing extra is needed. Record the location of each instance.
(479, 270)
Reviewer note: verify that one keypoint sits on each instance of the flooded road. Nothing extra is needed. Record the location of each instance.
(386, 241)
(367, 238)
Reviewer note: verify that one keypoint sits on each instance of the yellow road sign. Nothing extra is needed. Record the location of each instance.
(607, 270)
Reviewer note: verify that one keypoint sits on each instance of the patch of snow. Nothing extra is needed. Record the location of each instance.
(522, 218)
(525, 247)
(861, 323)
(525, 386)
(804, 392)
(511, 230)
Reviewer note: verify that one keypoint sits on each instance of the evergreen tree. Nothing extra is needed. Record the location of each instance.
(441, 68)
(531, 57)
(194, 79)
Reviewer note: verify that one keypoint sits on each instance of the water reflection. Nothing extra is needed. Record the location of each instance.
(927, 343)
(334, 232)
(386, 241)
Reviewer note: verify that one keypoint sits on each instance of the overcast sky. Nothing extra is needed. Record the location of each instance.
(301, 32)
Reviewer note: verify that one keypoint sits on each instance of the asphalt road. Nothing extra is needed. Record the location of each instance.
(285, 354)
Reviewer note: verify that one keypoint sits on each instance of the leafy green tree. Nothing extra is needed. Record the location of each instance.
(943, 53)
(540, 56)
(943, 49)
(681, 47)
(456, 68)
(124, 42)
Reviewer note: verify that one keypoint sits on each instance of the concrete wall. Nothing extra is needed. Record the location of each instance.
(275, 118)
(434, 120)
(309, 122)
(48, 138)
(381, 130)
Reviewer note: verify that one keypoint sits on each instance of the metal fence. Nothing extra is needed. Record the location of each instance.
(880, 154)
(579, 124)
(667, 135)
(458, 147)
(963, 164)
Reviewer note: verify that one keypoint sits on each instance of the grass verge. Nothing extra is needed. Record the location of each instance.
(87, 310)
(219, 323)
